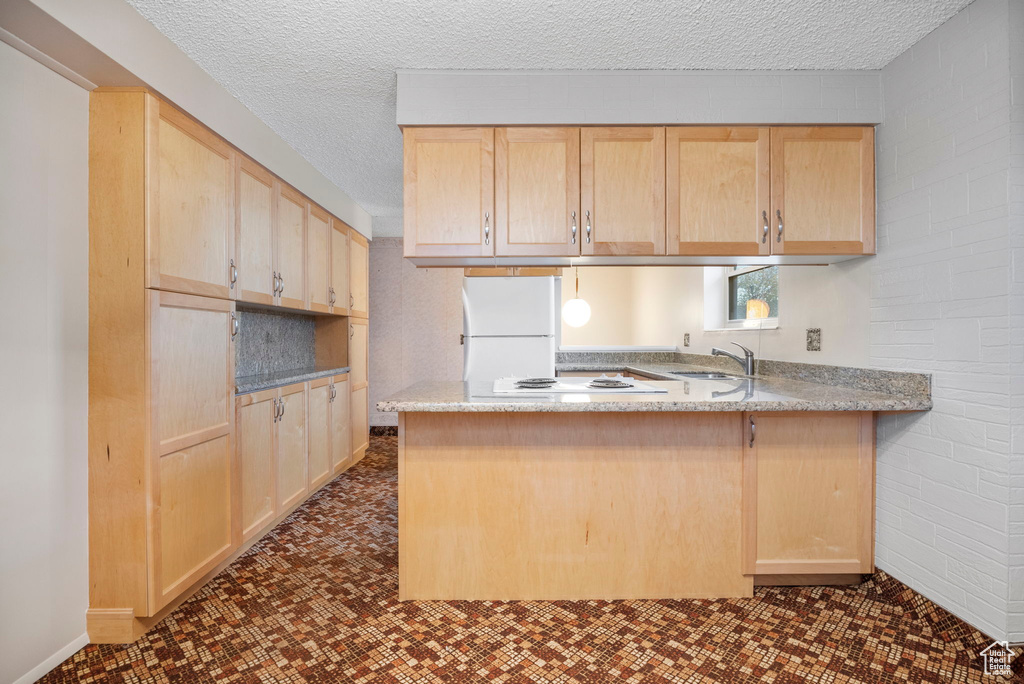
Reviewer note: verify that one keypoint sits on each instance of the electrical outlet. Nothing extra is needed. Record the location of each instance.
(686, 339)
(814, 339)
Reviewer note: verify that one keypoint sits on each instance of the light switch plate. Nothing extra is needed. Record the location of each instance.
(814, 339)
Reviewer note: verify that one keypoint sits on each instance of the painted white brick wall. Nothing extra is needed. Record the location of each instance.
(427, 97)
(1016, 337)
(941, 291)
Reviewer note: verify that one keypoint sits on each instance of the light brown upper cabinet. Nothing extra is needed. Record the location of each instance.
(190, 225)
(359, 274)
(537, 191)
(254, 233)
(622, 185)
(340, 286)
(291, 247)
(823, 190)
(318, 259)
(449, 191)
(717, 190)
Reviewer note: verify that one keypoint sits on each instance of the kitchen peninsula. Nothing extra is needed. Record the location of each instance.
(700, 492)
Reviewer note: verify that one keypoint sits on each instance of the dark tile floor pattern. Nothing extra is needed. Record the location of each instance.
(316, 601)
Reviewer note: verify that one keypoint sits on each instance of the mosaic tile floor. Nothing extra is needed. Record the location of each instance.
(316, 601)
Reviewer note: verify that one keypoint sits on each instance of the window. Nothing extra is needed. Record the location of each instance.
(753, 292)
(741, 297)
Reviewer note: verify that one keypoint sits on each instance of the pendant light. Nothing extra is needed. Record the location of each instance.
(576, 311)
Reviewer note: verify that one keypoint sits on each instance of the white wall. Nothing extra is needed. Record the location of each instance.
(43, 366)
(940, 304)
(658, 306)
(428, 97)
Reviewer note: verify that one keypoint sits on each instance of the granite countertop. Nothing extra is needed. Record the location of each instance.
(270, 380)
(734, 394)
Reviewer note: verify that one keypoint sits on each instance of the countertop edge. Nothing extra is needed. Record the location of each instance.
(895, 405)
(273, 382)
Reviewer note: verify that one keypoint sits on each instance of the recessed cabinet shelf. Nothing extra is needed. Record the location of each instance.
(677, 195)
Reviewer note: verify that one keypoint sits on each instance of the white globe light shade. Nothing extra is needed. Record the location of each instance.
(576, 312)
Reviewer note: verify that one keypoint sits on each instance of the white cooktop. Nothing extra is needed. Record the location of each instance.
(577, 386)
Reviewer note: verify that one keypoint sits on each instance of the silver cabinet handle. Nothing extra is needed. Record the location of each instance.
(330, 296)
(487, 227)
(779, 214)
(764, 235)
(280, 286)
(277, 410)
(234, 325)
(351, 332)
(275, 282)
(282, 409)
(573, 240)
(753, 431)
(588, 227)
(351, 301)
(234, 274)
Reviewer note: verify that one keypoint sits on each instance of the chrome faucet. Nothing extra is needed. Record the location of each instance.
(747, 361)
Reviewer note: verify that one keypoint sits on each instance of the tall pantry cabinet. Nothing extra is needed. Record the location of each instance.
(181, 226)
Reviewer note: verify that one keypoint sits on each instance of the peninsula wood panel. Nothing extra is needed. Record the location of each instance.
(717, 184)
(449, 191)
(318, 259)
(622, 185)
(340, 267)
(341, 417)
(359, 278)
(320, 392)
(516, 506)
(257, 464)
(191, 220)
(292, 449)
(254, 233)
(823, 189)
(360, 424)
(537, 191)
(358, 352)
(291, 247)
(809, 479)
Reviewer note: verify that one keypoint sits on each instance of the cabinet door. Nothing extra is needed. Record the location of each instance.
(254, 232)
(622, 184)
(449, 191)
(360, 423)
(192, 413)
(318, 259)
(256, 463)
(717, 191)
(359, 274)
(320, 392)
(358, 349)
(537, 191)
(823, 190)
(340, 286)
(809, 493)
(291, 247)
(191, 217)
(341, 417)
(291, 447)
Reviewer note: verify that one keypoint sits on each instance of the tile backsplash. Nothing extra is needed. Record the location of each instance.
(270, 341)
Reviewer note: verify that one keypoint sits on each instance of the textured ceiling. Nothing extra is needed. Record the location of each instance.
(320, 73)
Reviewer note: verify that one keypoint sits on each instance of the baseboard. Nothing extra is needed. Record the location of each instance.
(40, 670)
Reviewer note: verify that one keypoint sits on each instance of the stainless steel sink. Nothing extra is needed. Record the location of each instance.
(704, 376)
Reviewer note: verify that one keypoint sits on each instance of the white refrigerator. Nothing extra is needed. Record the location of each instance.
(510, 326)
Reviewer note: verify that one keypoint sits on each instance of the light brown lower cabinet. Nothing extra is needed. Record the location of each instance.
(320, 393)
(808, 483)
(256, 422)
(360, 411)
(340, 417)
(291, 439)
